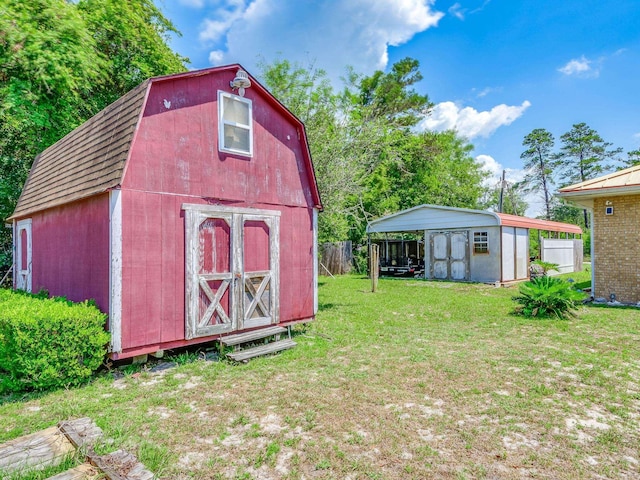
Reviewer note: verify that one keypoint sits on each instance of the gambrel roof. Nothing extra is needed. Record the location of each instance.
(87, 161)
(91, 159)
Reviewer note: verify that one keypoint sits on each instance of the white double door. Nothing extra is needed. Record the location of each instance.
(449, 255)
(232, 269)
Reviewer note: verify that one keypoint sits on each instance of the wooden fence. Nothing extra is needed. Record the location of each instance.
(335, 258)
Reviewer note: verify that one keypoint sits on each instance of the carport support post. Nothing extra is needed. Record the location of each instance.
(424, 253)
(374, 265)
(540, 245)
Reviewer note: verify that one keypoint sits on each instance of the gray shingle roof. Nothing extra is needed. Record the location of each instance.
(87, 161)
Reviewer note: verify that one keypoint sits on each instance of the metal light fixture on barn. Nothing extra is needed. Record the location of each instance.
(241, 81)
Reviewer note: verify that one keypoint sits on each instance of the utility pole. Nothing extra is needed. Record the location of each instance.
(502, 183)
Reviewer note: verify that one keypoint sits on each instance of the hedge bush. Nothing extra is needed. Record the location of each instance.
(48, 342)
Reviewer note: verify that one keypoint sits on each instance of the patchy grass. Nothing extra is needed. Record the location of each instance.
(420, 380)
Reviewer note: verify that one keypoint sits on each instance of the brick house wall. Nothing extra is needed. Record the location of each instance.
(617, 248)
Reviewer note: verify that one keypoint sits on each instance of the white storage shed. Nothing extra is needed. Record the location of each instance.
(476, 245)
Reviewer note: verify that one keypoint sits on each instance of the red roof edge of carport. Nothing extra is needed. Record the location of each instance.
(516, 221)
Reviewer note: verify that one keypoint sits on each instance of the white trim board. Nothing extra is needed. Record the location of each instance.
(115, 270)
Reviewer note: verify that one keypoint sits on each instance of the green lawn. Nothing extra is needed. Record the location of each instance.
(419, 380)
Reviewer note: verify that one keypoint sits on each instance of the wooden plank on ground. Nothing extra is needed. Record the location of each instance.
(37, 450)
(82, 432)
(272, 347)
(121, 465)
(251, 336)
(86, 471)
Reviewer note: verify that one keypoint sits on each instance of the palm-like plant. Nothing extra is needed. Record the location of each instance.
(547, 297)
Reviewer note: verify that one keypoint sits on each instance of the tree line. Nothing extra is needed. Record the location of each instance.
(582, 155)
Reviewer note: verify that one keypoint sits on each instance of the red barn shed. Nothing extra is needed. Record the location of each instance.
(187, 209)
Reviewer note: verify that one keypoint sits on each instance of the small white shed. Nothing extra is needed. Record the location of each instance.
(473, 245)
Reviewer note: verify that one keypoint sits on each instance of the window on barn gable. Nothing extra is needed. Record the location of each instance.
(480, 242)
(235, 124)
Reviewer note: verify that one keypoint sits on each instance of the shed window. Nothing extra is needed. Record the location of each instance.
(235, 123)
(480, 242)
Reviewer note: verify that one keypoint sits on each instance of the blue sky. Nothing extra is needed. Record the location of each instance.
(495, 69)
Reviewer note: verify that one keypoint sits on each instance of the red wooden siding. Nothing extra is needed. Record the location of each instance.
(153, 277)
(256, 246)
(23, 247)
(71, 251)
(176, 149)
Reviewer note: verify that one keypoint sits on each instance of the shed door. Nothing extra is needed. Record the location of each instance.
(259, 272)
(231, 269)
(522, 253)
(508, 254)
(22, 263)
(449, 255)
(439, 256)
(459, 260)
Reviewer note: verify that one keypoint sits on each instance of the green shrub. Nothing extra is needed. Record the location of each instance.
(547, 297)
(48, 343)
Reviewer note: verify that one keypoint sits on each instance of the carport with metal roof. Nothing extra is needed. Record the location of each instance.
(473, 245)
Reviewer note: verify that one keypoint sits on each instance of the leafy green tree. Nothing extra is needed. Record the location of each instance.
(390, 95)
(47, 58)
(584, 155)
(567, 213)
(131, 40)
(60, 63)
(380, 109)
(538, 161)
(403, 168)
(633, 158)
(427, 167)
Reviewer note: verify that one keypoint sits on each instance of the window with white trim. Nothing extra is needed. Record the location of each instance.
(480, 242)
(235, 124)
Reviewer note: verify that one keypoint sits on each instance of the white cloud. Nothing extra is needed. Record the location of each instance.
(481, 7)
(215, 57)
(457, 11)
(460, 13)
(488, 90)
(495, 168)
(581, 67)
(226, 15)
(469, 122)
(332, 33)
(491, 166)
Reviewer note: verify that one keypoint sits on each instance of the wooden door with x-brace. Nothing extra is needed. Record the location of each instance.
(232, 269)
